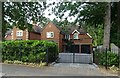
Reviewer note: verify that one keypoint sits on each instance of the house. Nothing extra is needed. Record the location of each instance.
(80, 41)
(74, 40)
(18, 34)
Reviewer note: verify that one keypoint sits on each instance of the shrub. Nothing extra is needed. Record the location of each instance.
(29, 50)
(112, 58)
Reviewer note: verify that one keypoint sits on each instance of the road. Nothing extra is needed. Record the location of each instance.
(59, 69)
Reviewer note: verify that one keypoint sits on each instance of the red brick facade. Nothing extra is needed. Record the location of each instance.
(34, 36)
(83, 42)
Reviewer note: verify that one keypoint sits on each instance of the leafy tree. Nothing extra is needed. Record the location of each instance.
(93, 16)
(21, 14)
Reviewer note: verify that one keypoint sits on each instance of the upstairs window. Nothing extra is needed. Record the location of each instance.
(67, 36)
(50, 34)
(75, 36)
(19, 33)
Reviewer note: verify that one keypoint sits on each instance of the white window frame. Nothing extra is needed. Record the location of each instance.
(19, 33)
(48, 35)
(66, 36)
(75, 34)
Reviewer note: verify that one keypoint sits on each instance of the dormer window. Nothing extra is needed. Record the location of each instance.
(75, 36)
(50, 34)
(19, 33)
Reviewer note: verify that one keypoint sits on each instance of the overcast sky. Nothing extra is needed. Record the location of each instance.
(52, 16)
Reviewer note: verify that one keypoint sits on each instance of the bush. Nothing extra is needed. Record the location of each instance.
(29, 50)
(112, 58)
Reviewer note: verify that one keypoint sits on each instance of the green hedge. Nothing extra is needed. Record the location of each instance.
(29, 51)
(112, 58)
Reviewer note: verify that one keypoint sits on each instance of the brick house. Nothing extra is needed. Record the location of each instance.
(76, 39)
(17, 34)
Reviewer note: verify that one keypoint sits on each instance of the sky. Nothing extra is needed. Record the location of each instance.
(52, 16)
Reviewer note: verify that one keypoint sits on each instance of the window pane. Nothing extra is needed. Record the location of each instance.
(75, 36)
(50, 34)
(19, 33)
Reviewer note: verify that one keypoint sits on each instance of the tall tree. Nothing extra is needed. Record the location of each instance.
(95, 16)
(106, 40)
(118, 24)
(0, 20)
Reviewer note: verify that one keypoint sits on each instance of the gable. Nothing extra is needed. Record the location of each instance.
(50, 26)
(75, 31)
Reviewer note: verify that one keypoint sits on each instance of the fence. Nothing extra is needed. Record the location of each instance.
(106, 58)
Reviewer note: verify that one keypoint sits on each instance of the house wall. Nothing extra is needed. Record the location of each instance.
(24, 37)
(84, 39)
(8, 37)
(34, 36)
(57, 36)
(61, 42)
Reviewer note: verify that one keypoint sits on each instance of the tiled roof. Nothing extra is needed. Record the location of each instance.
(69, 30)
(8, 32)
(72, 28)
(37, 29)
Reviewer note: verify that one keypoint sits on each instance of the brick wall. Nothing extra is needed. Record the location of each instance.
(34, 36)
(14, 36)
(50, 27)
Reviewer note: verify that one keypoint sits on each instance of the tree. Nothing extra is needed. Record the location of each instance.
(93, 16)
(90, 14)
(0, 20)
(107, 26)
(20, 14)
(118, 24)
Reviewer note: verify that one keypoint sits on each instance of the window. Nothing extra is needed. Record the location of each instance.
(75, 36)
(67, 36)
(19, 33)
(50, 34)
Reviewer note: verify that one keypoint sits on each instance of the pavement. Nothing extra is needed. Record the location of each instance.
(58, 69)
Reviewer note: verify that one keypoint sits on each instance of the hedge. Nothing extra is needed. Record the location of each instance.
(29, 51)
(112, 58)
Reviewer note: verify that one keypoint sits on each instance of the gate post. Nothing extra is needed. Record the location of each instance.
(93, 56)
(47, 56)
(73, 54)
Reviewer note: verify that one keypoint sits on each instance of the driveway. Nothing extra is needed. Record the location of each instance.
(58, 69)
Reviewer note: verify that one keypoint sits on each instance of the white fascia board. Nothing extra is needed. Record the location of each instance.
(89, 35)
(76, 31)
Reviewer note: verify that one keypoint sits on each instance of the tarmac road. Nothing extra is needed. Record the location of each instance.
(58, 69)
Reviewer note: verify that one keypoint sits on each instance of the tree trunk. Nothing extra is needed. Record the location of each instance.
(106, 40)
(0, 20)
(118, 24)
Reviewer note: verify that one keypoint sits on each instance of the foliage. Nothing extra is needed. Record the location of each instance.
(29, 51)
(21, 14)
(90, 14)
(112, 58)
(25, 63)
